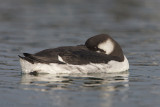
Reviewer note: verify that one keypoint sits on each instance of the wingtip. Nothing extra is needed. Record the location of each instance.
(20, 57)
(26, 58)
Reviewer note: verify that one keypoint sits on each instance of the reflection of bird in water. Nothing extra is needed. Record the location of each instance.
(99, 89)
(99, 54)
(98, 81)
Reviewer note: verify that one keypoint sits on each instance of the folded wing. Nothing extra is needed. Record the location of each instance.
(78, 55)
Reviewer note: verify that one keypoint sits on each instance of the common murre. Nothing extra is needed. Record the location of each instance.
(100, 53)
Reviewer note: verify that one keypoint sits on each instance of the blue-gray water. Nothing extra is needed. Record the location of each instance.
(33, 25)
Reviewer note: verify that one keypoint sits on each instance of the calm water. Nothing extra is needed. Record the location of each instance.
(33, 25)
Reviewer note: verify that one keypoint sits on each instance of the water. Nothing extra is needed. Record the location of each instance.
(30, 26)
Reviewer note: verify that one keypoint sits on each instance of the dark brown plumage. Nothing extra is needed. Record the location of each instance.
(77, 55)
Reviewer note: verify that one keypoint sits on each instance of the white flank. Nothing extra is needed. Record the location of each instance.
(107, 46)
(53, 68)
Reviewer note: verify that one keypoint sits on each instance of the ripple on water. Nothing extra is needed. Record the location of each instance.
(75, 82)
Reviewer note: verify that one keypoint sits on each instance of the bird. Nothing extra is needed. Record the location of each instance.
(99, 54)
